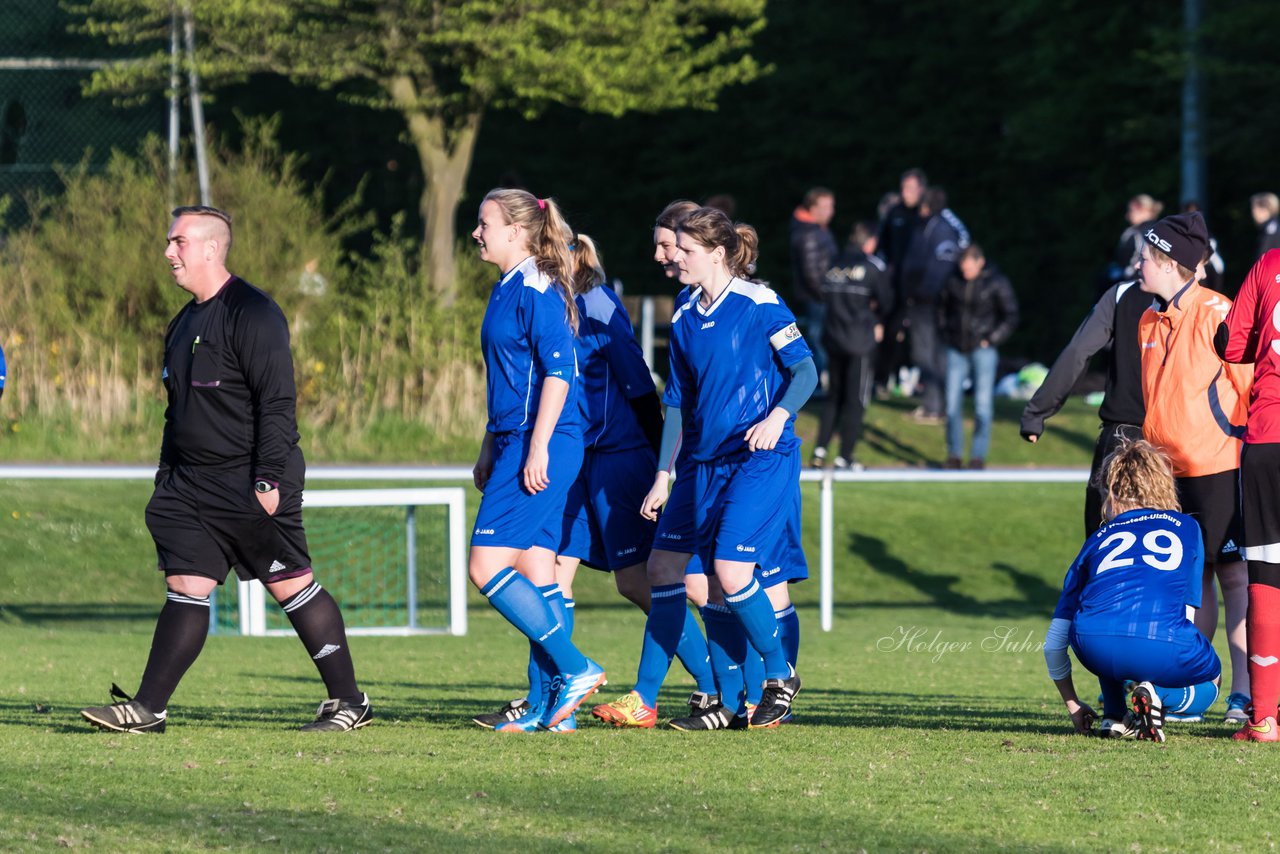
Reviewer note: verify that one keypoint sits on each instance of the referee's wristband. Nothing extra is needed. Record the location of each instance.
(265, 486)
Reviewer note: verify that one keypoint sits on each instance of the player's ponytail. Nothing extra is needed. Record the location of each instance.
(743, 262)
(711, 228)
(588, 270)
(550, 238)
(1137, 475)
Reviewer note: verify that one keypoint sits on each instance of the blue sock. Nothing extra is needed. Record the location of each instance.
(789, 633)
(1190, 701)
(515, 598)
(694, 655)
(752, 607)
(537, 692)
(753, 675)
(728, 646)
(1113, 698)
(662, 629)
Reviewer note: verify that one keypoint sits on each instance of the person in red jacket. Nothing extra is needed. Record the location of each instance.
(1251, 334)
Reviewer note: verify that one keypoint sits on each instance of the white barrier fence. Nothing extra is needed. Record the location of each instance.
(826, 512)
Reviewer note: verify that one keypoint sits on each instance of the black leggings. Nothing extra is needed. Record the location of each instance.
(849, 391)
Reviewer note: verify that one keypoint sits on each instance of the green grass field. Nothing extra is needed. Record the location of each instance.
(926, 723)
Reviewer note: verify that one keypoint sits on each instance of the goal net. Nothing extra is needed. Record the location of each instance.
(394, 559)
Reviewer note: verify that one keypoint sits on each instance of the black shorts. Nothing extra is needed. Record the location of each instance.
(1260, 500)
(204, 522)
(1213, 500)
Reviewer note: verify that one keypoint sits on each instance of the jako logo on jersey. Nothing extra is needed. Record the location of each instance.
(743, 548)
(769, 572)
(708, 324)
(1158, 242)
(672, 537)
(484, 531)
(623, 552)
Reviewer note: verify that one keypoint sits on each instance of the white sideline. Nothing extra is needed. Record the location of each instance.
(826, 478)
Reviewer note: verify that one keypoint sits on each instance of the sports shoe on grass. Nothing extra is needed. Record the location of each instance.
(341, 716)
(126, 716)
(628, 711)
(529, 721)
(1263, 730)
(1237, 709)
(1150, 713)
(574, 688)
(775, 702)
(509, 712)
(1171, 718)
(1126, 727)
(569, 724)
(715, 716)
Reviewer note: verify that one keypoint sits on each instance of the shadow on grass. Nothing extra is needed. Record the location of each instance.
(1038, 596)
(79, 611)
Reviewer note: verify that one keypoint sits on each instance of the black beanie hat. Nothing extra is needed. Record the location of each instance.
(1183, 237)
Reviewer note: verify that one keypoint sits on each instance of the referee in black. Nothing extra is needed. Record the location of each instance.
(229, 487)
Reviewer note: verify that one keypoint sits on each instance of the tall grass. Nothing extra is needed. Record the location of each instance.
(85, 296)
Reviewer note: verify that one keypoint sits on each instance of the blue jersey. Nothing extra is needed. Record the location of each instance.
(612, 372)
(729, 367)
(2, 370)
(526, 338)
(1135, 576)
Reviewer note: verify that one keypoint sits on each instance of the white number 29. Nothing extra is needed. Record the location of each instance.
(1162, 550)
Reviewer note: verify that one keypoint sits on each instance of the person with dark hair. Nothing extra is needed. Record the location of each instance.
(229, 487)
(899, 213)
(1124, 601)
(1265, 209)
(740, 371)
(977, 313)
(931, 259)
(1250, 335)
(813, 248)
(1196, 412)
(859, 297)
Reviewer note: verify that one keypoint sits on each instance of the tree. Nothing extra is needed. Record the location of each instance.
(442, 64)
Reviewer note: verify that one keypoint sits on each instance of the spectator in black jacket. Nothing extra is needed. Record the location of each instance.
(898, 218)
(977, 313)
(1112, 325)
(1266, 213)
(931, 257)
(858, 296)
(813, 249)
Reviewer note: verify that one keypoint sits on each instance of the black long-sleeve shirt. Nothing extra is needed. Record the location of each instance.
(229, 374)
(1113, 323)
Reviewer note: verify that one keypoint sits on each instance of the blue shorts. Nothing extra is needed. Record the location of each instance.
(747, 509)
(602, 523)
(786, 562)
(1189, 660)
(676, 531)
(510, 517)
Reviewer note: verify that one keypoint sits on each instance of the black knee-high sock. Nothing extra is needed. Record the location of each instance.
(318, 622)
(180, 632)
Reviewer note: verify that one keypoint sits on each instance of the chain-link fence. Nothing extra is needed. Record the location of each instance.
(46, 122)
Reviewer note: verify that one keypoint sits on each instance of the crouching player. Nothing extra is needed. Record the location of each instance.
(1125, 602)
